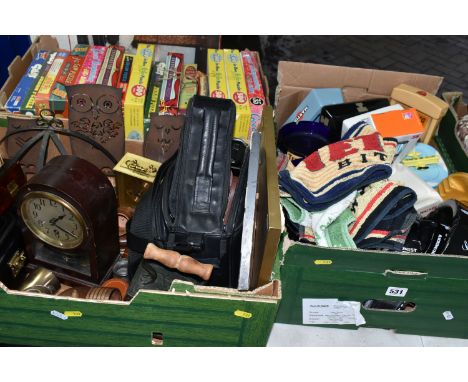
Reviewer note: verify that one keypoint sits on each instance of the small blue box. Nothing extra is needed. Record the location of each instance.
(27, 82)
(309, 109)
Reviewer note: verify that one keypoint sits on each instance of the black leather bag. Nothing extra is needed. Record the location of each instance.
(189, 208)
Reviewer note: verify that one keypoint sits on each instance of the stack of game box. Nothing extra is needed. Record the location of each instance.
(157, 79)
(236, 75)
(44, 84)
(174, 80)
(28, 82)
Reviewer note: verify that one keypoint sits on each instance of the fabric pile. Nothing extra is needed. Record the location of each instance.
(341, 196)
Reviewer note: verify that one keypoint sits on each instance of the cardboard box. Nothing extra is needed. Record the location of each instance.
(188, 87)
(43, 95)
(350, 122)
(27, 82)
(134, 103)
(58, 100)
(217, 81)
(80, 50)
(435, 284)
(237, 91)
(448, 143)
(29, 106)
(170, 88)
(430, 108)
(110, 69)
(403, 125)
(310, 107)
(161, 52)
(253, 82)
(187, 315)
(297, 79)
(92, 65)
(124, 73)
(19, 66)
(154, 88)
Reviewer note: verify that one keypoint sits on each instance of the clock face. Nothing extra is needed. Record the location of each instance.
(53, 220)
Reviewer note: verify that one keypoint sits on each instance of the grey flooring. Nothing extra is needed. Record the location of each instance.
(301, 336)
(446, 56)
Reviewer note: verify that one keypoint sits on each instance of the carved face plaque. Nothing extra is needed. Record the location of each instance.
(163, 137)
(96, 111)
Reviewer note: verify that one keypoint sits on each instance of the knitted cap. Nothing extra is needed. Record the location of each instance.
(334, 171)
(383, 200)
(390, 234)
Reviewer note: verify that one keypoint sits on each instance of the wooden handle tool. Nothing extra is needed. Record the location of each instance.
(175, 260)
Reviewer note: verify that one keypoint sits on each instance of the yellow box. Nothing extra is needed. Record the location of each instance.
(237, 91)
(217, 82)
(134, 175)
(134, 104)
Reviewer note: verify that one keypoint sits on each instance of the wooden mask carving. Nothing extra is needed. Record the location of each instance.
(96, 111)
(163, 137)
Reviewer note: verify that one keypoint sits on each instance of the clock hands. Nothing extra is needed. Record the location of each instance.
(66, 231)
(54, 221)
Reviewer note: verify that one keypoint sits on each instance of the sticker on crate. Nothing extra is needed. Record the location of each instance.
(73, 313)
(448, 315)
(318, 311)
(242, 314)
(396, 291)
(57, 314)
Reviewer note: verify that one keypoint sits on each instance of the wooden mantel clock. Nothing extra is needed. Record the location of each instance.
(69, 216)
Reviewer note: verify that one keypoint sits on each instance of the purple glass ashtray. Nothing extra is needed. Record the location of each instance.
(303, 138)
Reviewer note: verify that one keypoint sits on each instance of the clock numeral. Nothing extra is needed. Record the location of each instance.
(37, 206)
(57, 233)
(42, 202)
(35, 214)
(53, 203)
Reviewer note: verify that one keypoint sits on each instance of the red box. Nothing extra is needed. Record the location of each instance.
(255, 92)
(170, 88)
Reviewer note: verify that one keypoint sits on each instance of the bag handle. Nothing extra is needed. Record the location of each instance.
(204, 179)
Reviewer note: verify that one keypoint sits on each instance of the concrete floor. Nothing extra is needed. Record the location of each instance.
(296, 335)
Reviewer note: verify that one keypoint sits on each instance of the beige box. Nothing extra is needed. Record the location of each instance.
(296, 79)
